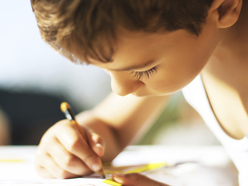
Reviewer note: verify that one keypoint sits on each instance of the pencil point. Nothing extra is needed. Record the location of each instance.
(102, 173)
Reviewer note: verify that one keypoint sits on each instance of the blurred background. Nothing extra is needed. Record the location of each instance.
(34, 80)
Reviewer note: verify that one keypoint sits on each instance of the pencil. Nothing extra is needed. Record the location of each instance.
(66, 109)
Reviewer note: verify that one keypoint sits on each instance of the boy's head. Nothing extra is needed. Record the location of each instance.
(88, 29)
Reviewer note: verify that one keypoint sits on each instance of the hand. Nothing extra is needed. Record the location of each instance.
(64, 153)
(135, 179)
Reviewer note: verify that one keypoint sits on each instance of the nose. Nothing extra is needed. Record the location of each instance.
(123, 84)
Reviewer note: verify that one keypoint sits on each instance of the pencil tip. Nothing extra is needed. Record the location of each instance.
(102, 174)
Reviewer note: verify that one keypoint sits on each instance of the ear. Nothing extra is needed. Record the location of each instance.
(228, 11)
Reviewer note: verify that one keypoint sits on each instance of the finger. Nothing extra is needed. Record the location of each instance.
(74, 142)
(135, 179)
(43, 172)
(96, 143)
(50, 169)
(66, 160)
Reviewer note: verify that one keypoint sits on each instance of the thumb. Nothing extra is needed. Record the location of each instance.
(135, 179)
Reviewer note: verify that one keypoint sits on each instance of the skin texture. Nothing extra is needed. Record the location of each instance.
(146, 69)
(135, 179)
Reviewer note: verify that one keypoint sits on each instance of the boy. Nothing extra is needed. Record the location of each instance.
(151, 49)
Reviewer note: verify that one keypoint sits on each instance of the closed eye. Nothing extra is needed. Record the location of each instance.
(140, 74)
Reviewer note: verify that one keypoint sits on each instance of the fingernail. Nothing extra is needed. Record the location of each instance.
(118, 177)
(95, 137)
(96, 167)
(98, 145)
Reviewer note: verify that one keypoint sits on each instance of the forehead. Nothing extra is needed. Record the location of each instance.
(131, 45)
(138, 47)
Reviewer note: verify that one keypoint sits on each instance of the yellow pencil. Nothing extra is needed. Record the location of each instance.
(66, 109)
(143, 168)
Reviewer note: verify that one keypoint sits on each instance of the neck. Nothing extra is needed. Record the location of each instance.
(229, 62)
(235, 38)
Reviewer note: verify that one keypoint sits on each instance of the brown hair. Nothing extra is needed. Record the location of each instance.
(87, 28)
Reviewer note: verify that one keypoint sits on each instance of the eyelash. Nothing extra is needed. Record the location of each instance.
(148, 73)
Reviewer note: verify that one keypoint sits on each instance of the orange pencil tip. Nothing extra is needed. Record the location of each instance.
(64, 106)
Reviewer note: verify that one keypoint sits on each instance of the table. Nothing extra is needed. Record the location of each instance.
(205, 166)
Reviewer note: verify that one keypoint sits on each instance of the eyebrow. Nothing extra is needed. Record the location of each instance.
(135, 67)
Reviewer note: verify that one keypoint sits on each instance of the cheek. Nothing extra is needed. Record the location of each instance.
(182, 69)
(164, 82)
(178, 69)
(172, 78)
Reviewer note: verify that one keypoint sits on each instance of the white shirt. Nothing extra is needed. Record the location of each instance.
(195, 95)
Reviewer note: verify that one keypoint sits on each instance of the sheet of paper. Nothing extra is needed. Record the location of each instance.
(212, 166)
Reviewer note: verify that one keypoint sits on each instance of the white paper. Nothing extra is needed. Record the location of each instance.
(212, 167)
